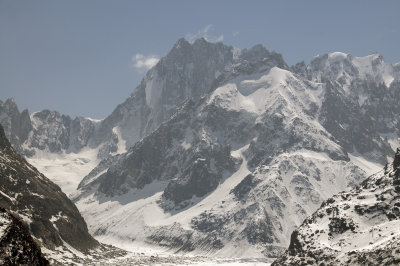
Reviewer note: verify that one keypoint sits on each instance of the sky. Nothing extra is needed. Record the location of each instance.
(84, 57)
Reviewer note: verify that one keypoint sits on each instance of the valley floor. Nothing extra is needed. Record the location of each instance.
(182, 260)
(109, 255)
(150, 257)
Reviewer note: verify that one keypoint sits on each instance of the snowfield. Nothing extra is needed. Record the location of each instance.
(65, 169)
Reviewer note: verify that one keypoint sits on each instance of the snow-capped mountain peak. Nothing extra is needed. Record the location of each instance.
(344, 68)
(337, 57)
(256, 93)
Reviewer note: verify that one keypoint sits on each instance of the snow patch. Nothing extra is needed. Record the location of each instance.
(253, 93)
(368, 166)
(392, 138)
(8, 197)
(121, 142)
(5, 221)
(337, 57)
(153, 90)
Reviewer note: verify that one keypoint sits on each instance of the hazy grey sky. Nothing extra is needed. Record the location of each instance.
(83, 57)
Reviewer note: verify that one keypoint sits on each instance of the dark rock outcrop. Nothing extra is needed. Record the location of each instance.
(17, 247)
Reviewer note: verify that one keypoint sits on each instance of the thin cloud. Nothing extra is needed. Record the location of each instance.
(236, 33)
(205, 33)
(144, 63)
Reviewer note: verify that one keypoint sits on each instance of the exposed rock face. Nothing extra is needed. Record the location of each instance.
(190, 171)
(359, 127)
(358, 227)
(17, 125)
(359, 108)
(17, 246)
(52, 218)
(57, 132)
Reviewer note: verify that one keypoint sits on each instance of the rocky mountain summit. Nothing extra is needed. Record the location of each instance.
(356, 227)
(188, 70)
(45, 130)
(53, 220)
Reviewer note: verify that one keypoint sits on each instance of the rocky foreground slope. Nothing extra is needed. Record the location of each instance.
(17, 247)
(53, 220)
(356, 227)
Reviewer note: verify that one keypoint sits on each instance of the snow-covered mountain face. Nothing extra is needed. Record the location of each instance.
(187, 71)
(231, 172)
(222, 150)
(357, 227)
